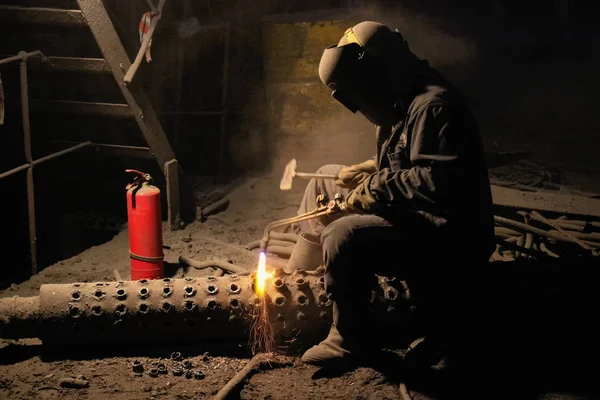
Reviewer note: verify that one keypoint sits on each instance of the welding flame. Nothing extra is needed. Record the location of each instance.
(262, 275)
(261, 334)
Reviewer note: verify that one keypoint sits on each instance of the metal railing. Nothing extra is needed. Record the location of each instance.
(29, 161)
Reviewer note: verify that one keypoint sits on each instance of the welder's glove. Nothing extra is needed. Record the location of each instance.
(351, 176)
(360, 200)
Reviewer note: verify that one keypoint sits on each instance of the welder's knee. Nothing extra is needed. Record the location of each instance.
(343, 242)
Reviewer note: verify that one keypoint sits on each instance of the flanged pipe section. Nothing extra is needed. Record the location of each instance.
(182, 310)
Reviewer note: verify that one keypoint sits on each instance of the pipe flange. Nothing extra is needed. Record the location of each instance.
(190, 305)
(278, 283)
(121, 310)
(189, 291)
(302, 300)
(212, 303)
(76, 295)
(302, 283)
(279, 301)
(234, 303)
(212, 289)
(165, 306)
(97, 310)
(323, 299)
(166, 291)
(74, 310)
(144, 293)
(143, 308)
(120, 294)
(234, 289)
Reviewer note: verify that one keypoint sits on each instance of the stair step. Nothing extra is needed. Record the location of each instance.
(63, 4)
(67, 64)
(115, 150)
(73, 64)
(15, 15)
(110, 110)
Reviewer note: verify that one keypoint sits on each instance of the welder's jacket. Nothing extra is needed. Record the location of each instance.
(431, 170)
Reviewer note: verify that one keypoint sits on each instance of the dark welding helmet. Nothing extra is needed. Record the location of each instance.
(355, 71)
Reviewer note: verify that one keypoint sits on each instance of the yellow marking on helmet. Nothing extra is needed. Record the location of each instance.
(351, 37)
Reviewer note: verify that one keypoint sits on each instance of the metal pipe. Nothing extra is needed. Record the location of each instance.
(186, 310)
(236, 269)
(561, 230)
(28, 159)
(31, 212)
(25, 106)
(14, 171)
(533, 230)
(317, 212)
(255, 244)
(46, 158)
(21, 56)
(563, 223)
(62, 152)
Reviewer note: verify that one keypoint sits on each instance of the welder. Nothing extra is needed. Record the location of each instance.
(423, 201)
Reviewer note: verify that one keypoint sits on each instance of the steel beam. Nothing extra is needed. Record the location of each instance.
(15, 15)
(81, 107)
(113, 52)
(172, 175)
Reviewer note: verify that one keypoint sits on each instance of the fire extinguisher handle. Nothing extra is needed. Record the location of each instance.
(146, 177)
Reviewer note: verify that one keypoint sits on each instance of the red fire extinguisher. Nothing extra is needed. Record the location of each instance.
(145, 228)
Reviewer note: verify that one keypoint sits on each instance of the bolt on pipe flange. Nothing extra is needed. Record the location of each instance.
(121, 294)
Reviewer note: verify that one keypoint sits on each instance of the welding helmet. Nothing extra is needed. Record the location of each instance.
(358, 70)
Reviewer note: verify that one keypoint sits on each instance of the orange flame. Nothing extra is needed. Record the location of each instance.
(262, 275)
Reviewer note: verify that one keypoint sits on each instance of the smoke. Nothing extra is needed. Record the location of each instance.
(524, 95)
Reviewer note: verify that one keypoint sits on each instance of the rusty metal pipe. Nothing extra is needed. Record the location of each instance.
(255, 244)
(533, 230)
(14, 171)
(28, 159)
(23, 55)
(62, 152)
(185, 310)
(227, 266)
(288, 237)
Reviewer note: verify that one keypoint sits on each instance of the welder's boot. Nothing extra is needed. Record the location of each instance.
(340, 346)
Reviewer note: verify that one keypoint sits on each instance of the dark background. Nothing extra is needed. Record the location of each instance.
(528, 68)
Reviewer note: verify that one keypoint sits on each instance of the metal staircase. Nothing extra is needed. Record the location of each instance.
(93, 53)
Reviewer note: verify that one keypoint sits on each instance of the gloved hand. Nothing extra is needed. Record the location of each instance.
(360, 200)
(351, 176)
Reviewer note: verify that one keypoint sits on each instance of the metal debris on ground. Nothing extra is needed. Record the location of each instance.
(529, 234)
(259, 362)
(529, 176)
(137, 366)
(79, 382)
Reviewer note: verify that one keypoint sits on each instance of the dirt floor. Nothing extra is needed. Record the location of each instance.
(30, 371)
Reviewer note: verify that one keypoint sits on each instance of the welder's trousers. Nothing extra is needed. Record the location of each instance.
(357, 247)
